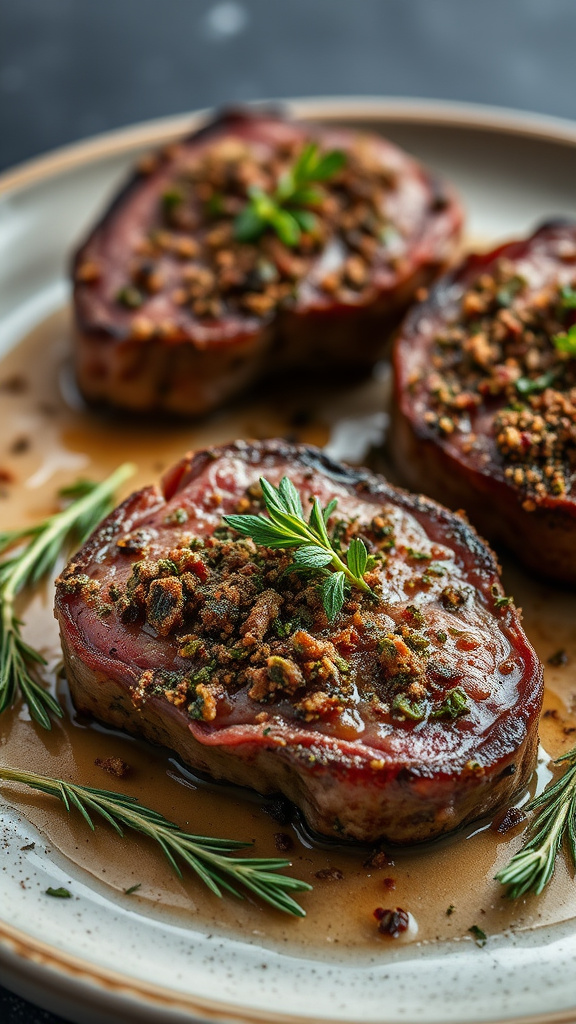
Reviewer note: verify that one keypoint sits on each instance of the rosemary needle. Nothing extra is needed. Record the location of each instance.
(532, 867)
(38, 548)
(209, 858)
(286, 527)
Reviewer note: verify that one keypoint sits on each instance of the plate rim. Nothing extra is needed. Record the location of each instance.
(18, 948)
(448, 113)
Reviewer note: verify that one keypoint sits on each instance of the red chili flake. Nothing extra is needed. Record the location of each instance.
(392, 922)
(389, 883)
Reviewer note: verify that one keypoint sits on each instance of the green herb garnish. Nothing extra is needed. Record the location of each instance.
(133, 889)
(527, 386)
(500, 600)
(61, 893)
(415, 710)
(210, 858)
(316, 554)
(130, 297)
(532, 867)
(286, 211)
(479, 935)
(568, 297)
(454, 705)
(40, 547)
(566, 342)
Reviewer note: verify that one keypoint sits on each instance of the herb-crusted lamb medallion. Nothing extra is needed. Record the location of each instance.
(485, 396)
(294, 625)
(255, 244)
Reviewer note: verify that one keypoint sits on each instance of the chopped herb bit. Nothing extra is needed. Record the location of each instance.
(450, 910)
(61, 893)
(178, 515)
(171, 199)
(508, 292)
(528, 386)
(133, 888)
(130, 297)
(415, 710)
(566, 341)
(441, 636)
(454, 705)
(420, 556)
(479, 936)
(500, 601)
(568, 297)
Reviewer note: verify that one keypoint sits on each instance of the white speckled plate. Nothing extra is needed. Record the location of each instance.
(106, 960)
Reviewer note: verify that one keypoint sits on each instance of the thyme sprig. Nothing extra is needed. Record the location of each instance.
(209, 858)
(38, 548)
(286, 210)
(532, 867)
(286, 527)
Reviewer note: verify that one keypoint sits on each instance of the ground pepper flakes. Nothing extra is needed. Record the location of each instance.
(498, 356)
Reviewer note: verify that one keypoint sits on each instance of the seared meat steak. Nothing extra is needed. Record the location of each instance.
(485, 396)
(179, 306)
(410, 713)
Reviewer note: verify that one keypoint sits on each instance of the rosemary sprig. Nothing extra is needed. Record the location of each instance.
(532, 867)
(209, 858)
(316, 553)
(286, 211)
(41, 545)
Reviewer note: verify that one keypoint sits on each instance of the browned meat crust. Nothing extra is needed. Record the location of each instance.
(173, 314)
(485, 398)
(400, 720)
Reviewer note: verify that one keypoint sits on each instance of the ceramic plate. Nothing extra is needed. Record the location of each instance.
(108, 958)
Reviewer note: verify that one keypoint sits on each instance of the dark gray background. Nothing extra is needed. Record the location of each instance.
(72, 68)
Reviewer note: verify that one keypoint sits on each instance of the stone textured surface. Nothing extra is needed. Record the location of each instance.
(72, 68)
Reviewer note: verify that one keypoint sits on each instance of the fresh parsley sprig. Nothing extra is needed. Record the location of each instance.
(286, 210)
(286, 527)
(209, 858)
(38, 548)
(532, 867)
